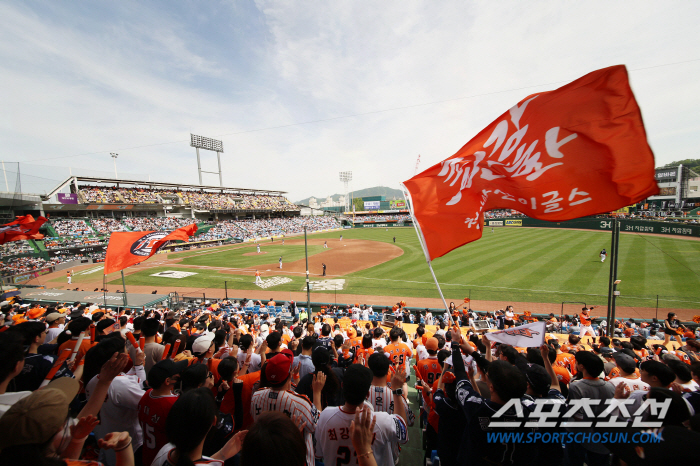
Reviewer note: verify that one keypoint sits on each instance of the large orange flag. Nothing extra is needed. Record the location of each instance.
(25, 227)
(575, 151)
(129, 248)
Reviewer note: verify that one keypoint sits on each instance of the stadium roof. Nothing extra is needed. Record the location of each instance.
(155, 184)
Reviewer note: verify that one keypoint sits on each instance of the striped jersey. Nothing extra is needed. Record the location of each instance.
(289, 403)
(382, 401)
(334, 445)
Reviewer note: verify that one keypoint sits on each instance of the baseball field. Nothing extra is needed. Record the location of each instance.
(523, 265)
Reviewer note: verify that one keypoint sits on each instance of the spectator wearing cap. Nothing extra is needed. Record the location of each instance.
(428, 368)
(155, 405)
(304, 362)
(120, 410)
(56, 323)
(36, 429)
(280, 397)
(628, 372)
(591, 386)
(389, 429)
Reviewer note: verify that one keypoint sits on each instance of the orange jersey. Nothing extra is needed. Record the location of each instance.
(429, 370)
(562, 374)
(585, 319)
(399, 353)
(84, 347)
(363, 353)
(228, 403)
(356, 344)
(566, 360)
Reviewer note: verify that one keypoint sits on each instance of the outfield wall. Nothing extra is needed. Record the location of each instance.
(594, 223)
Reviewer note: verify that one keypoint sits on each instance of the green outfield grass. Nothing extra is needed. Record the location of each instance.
(510, 264)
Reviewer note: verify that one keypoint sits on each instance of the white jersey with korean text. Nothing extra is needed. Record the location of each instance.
(334, 445)
(382, 400)
(289, 403)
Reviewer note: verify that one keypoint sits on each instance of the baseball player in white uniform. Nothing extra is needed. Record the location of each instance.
(603, 255)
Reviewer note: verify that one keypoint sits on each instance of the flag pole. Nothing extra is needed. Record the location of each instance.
(421, 240)
(124, 286)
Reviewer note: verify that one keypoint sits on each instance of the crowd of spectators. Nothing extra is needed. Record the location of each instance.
(72, 227)
(219, 382)
(100, 194)
(105, 226)
(15, 248)
(262, 228)
(157, 223)
(28, 264)
(195, 387)
(202, 200)
(73, 242)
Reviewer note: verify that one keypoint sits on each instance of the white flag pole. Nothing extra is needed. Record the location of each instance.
(421, 240)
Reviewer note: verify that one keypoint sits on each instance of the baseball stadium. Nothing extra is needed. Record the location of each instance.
(254, 246)
(278, 233)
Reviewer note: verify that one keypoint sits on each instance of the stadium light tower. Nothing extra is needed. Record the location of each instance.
(214, 145)
(346, 177)
(114, 157)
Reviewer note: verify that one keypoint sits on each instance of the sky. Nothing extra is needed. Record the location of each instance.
(300, 91)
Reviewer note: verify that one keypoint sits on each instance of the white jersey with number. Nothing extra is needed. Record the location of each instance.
(334, 445)
(289, 403)
(382, 400)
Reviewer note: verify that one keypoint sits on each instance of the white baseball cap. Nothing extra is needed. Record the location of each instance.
(202, 344)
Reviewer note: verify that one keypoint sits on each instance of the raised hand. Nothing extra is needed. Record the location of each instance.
(84, 426)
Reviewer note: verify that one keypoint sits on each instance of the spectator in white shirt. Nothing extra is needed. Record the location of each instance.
(120, 412)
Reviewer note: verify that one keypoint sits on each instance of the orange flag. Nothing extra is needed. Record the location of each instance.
(25, 227)
(578, 150)
(129, 248)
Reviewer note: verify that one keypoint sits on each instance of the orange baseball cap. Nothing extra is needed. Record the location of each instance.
(351, 332)
(448, 377)
(431, 344)
(36, 312)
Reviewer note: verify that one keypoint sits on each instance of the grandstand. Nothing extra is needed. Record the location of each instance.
(84, 211)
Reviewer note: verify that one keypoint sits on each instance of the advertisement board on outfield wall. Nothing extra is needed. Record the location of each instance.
(630, 226)
(495, 223)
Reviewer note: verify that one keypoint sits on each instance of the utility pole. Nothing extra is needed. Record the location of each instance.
(612, 280)
(114, 157)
